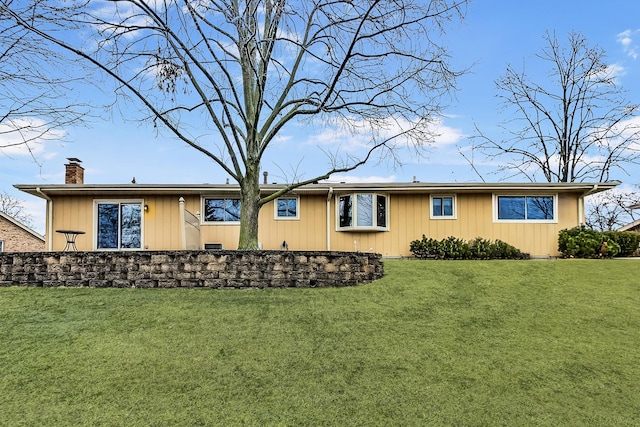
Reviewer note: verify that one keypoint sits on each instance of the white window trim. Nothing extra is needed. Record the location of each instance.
(525, 221)
(354, 213)
(286, 218)
(443, 217)
(96, 202)
(216, 223)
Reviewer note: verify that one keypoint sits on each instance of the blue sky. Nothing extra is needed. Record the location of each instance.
(494, 34)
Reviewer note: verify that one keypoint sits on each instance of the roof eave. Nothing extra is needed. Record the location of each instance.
(185, 189)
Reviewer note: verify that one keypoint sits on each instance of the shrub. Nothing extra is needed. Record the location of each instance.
(629, 241)
(503, 250)
(455, 248)
(579, 242)
(481, 248)
(583, 242)
(425, 248)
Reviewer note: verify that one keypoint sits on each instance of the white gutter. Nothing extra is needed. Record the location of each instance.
(172, 189)
(49, 224)
(329, 195)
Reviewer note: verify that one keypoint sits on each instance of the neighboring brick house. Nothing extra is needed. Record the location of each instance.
(17, 237)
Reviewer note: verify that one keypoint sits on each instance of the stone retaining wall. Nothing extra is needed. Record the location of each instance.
(189, 269)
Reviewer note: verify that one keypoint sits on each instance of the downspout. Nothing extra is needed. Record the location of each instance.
(183, 231)
(581, 219)
(329, 195)
(49, 224)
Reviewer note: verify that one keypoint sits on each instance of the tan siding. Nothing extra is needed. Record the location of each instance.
(408, 220)
(152, 228)
(307, 232)
(162, 223)
(73, 213)
(228, 235)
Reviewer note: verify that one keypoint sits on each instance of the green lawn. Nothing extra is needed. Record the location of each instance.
(465, 343)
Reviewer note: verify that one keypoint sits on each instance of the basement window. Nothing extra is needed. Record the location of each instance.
(362, 212)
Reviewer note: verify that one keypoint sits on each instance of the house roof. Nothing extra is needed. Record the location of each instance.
(21, 225)
(44, 191)
(631, 226)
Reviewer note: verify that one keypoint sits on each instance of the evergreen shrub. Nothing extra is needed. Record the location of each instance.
(584, 242)
(629, 241)
(455, 248)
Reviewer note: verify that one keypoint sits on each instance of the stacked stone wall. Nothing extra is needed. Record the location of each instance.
(190, 269)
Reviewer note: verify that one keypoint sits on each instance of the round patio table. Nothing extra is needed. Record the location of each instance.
(70, 236)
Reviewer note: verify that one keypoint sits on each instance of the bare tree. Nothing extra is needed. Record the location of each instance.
(15, 209)
(35, 105)
(576, 126)
(612, 209)
(227, 76)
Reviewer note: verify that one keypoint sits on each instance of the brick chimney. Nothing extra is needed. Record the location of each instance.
(74, 173)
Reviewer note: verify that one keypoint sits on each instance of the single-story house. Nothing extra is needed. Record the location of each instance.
(17, 237)
(382, 218)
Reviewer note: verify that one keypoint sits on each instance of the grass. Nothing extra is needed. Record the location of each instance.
(541, 343)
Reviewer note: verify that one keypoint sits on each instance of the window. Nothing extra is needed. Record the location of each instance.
(119, 225)
(1, 246)
(221, 210)
(287, 208)
(362, 211)
(526, 208)
(443, 207)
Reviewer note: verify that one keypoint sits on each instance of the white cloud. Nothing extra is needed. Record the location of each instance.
(628, 130)
(120, 19)
(626, 39)
(615, 71)
(26, 136)
(446, 135)
(352, 134)
(282, 139)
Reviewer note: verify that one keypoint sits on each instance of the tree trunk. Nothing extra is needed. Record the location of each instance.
(249, 210)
